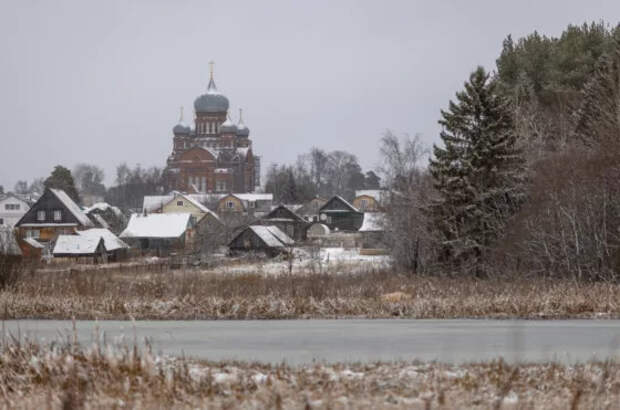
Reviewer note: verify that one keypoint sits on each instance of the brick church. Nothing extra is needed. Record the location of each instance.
(215, 155)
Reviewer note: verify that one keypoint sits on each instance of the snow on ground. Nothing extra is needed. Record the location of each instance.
(330, 260)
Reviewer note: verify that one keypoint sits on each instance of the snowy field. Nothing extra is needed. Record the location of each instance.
(327, 260)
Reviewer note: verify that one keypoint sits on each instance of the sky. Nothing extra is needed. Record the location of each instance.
(101, 82)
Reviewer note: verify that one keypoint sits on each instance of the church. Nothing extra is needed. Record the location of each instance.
(215, 155)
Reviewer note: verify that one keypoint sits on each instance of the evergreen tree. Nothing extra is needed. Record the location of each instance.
(478, 175)
(61, 178)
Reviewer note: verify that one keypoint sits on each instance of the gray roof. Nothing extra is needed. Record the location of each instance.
(211, 102)
(181, 128)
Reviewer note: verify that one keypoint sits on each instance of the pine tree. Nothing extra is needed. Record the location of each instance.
(478, 174)
(61, 178)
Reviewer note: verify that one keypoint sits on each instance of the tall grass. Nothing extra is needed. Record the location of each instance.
(68, 376)
(375, 294)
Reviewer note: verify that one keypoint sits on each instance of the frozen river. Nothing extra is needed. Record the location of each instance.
(302, 341)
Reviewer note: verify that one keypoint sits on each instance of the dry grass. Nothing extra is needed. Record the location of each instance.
(67, 376)
(199, 295)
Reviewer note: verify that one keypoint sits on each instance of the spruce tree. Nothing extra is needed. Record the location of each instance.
(478, 174)
(61, 178)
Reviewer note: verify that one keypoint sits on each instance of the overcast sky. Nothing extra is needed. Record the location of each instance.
(102, 81)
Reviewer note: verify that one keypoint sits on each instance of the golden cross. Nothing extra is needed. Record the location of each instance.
(211, 64)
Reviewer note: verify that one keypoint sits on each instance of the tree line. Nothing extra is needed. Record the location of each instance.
(527, 177)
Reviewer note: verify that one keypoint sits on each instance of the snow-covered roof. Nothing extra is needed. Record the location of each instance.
(110, 241)
(76, 244)
(156, 226)
(272, 236)
(373, 222)
(344, 201)
(102, 222)
(104, 206)
(34, 243)
(254, 197)
(377, 194)
(152, 203)
(72, 207)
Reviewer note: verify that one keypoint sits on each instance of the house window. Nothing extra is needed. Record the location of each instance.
(230, 204)
(179, 203)
(33, 233)
(1, 221)
(252, 204)
(220, 186)
(40, 215)
(57, 215)
(11, 207)
(363, 204)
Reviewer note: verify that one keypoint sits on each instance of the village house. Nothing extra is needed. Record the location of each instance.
(53, 214)
(260, 238)
(370, 200)
(287, 221)
(12, 208)
(340, 215)
(159, 233)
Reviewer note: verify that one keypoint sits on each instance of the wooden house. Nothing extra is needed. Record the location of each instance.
(249, 204)
(53, 214)
(159, 233)
(78, 248)
(287, 221)
(261, 238)
(340, 215)
(370, 200)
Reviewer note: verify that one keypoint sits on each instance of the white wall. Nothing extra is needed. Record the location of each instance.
(10, 217)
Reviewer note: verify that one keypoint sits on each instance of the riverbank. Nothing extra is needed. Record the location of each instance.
(69, 376)
(177, 295)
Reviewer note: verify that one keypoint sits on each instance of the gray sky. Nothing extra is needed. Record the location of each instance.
(102, 81)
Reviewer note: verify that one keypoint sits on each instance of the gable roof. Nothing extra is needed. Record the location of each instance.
(341, 200)
(192, 200)
(271, 236)
(110, 241)
(156, 226)
(103, 206)
(76, 245)
(293, 214)
(72, 207)
(9, 195)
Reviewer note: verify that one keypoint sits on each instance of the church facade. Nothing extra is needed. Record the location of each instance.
(215, 155)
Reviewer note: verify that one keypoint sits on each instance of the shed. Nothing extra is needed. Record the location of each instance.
(373, 230)
(115, 248)
(317, 230)
(80, 248)
(261, 238)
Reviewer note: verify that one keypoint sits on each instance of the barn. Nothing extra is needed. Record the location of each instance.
(340, 215)
(261, 238)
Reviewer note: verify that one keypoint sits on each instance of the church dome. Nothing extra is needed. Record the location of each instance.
(211, 102)
(181, 128)
(242, 129)
(228, 127)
